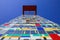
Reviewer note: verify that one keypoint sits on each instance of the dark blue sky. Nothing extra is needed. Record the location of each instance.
(49, 9)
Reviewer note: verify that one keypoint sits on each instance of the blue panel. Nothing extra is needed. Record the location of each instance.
(1, 34)
(33, 32)
(21, 26)
(21, 32)
(27, 32)
(42, 31)
(9, 31)
(40, 28)
(17, 32)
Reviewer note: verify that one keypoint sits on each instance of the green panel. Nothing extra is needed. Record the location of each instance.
(25, 34)
(37, 34)
(9, 35)
(18, 29)
(11, 29)
(46, 35)
(15, 34)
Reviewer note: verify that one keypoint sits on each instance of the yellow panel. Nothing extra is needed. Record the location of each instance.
(32, 24)
(14, 37)
(50, 29)
(26, 29)
(7, 36)
(54, 28)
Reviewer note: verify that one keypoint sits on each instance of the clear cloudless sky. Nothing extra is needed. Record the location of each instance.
(49, 9)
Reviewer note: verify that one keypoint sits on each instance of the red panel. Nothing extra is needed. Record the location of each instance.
(6, 24)
(29, 8)
(54, 36)
(37, 24)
